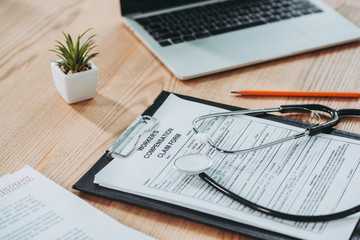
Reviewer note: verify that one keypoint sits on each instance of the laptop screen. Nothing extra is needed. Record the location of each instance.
(139, 6)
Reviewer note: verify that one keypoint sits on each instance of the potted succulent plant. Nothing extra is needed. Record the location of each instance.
(75, 75)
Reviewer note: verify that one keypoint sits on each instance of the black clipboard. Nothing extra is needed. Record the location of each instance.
(86, 184)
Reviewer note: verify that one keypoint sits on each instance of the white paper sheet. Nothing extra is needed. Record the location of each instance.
(312, 175)
(34, 207)
(2, 178)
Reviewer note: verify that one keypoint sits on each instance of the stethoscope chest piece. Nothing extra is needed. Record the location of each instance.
(192, 163)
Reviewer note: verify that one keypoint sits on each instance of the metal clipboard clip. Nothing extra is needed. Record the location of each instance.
(129, 139)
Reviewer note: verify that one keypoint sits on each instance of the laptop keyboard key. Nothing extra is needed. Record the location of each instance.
(316, 10)
(296, 13)
(202, 35)
(165, 43)
(158, 32)
(177, 40)
(189, 38)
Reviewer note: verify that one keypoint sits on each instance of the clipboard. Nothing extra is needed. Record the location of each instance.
(85, 184)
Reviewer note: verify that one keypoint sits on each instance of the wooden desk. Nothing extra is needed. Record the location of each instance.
(62, 141)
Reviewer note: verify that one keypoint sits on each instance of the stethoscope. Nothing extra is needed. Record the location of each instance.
(199, 163)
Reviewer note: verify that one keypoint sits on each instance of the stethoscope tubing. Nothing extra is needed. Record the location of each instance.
(277, 214)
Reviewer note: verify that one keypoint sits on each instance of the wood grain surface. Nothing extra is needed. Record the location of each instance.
(62, 141)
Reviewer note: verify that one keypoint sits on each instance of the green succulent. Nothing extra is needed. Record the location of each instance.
(75, 58)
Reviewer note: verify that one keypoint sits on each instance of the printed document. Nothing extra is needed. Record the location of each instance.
(34, 207)
(308, 176)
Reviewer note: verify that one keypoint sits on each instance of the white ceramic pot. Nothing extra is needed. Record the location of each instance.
(78, 86)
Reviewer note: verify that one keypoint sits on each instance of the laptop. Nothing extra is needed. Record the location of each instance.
(194, 38)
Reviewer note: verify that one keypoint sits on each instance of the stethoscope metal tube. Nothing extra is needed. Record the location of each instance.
(282, 109)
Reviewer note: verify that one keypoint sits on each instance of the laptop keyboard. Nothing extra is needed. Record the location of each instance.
(221, 17)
